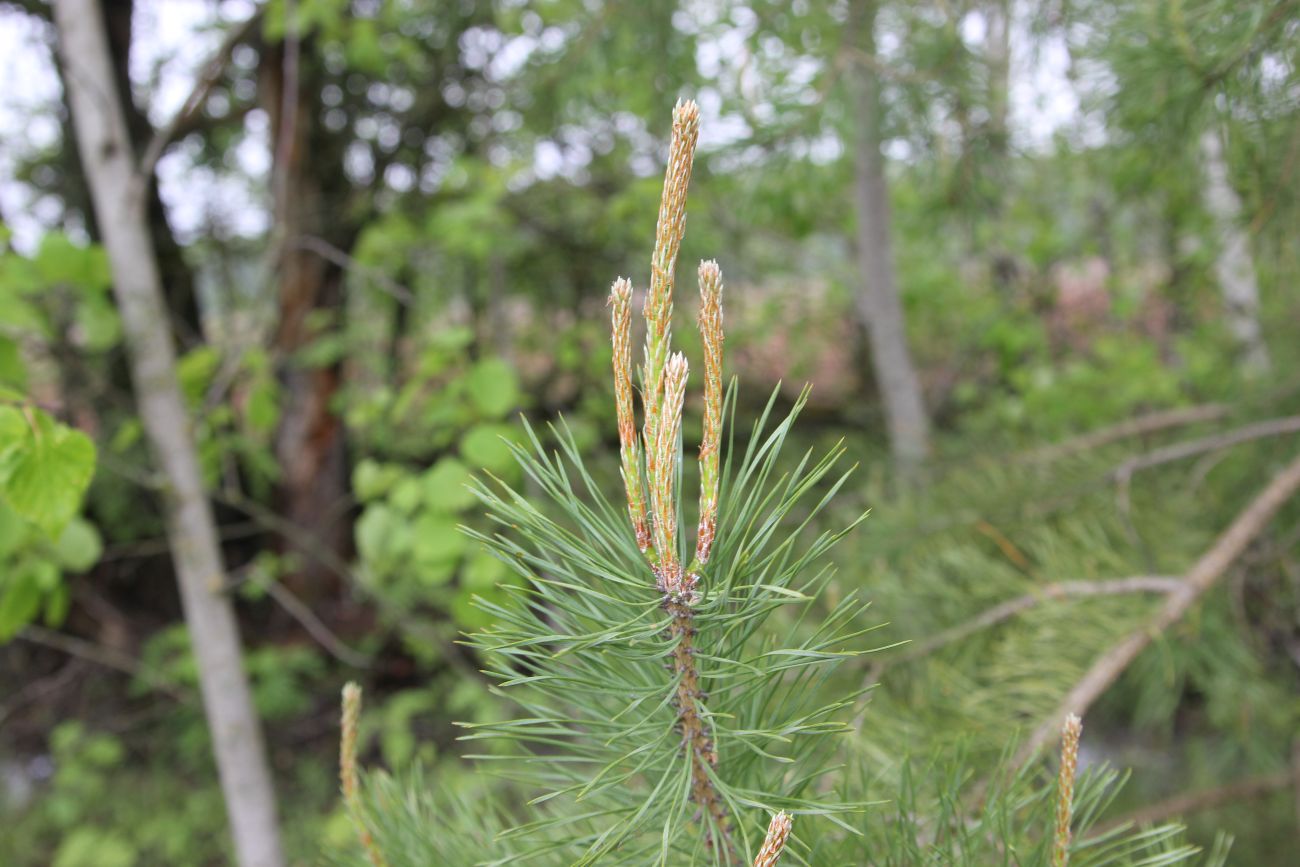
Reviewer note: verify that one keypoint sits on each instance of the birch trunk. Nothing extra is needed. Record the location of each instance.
(879, 308)
(1233, 265)
(120, 199)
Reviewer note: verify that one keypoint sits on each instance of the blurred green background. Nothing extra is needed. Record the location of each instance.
(1089, 215)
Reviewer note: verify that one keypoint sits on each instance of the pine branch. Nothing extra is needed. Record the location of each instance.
(1199, 579)
(1140, 426)
(1179, 451)
(1004, 611)
(1205, 799)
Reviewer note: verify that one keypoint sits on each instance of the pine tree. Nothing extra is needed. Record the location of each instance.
(662, 718)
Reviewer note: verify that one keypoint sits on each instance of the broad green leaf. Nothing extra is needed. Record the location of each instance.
(262, 411)
(485, 446)
(12, 370)
(407, 495)
(61, 262)
(482, 572)
(98, 326)
(20, 595)
(90, 847)
(79, 546)
(492, 387)
(195, 370)
(372, 479)
(13, 529)
(445, 486)
(436, 542)
(383, 536)
(45, 467)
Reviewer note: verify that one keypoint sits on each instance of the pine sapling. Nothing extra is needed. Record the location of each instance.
(637, 767)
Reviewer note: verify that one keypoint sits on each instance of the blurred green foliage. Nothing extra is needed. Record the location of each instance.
(487, 170)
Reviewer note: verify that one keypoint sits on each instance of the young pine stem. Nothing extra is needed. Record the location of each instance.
(668, 241)
(348, 772)
(1070, 732)
(663, 500)
(711, 337)
(663, 395)
(778, 831)
(620, 302)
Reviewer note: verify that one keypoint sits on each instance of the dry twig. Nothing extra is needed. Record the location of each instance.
(208, 78)
(1200, 578)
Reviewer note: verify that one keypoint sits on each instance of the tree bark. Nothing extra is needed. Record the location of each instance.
(879, 307)
(1233, 265)
(310, 445)
(120, 201)
(998, 17)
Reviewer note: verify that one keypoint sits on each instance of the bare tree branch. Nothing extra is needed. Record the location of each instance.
(315, 627)
(342, 259)
(1179, 451)
(99, 654)
(1205, 799)
(1006, 610)
(1200, 578)
(1145, 424)
(208, 78)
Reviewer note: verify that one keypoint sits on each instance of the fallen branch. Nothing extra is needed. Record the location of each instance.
(1200, 578)
(344, 260)
(1193, 802)
(1146, 424)
(1006, 610)
(1179, 451)
(316, 628)
(208, 78)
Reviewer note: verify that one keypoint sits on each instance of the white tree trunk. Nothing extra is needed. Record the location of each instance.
(878, 304)
(1233, 265)
(118, 196)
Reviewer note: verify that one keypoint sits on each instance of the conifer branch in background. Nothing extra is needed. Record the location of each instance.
(774, 844)
(1070, 732)
(1199, 579)
(348, 781)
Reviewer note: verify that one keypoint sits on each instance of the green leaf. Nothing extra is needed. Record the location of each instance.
(407, 495)
(89, 847)
(372, 479)
(492, 387)
(482, 572)
(98, 326)
(12, 370)
(13, 530)
(486, 446)
(262, 412)
(20, 595)
(195, 370)
(436, 546)
(79, 546)
(383, 536)
(45, 467)
(61, 262)
(446, 486)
